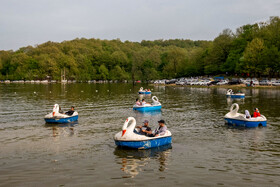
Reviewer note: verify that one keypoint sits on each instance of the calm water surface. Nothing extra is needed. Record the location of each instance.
(204, 151)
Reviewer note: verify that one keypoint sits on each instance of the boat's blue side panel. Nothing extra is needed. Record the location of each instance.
(144, 92)
(236, 96)
(247, 124)
(61, 120)
(145, 144)
(151, 108)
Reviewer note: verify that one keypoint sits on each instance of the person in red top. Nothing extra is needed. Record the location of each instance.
(256, 113)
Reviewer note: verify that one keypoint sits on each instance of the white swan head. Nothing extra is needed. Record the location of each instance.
(233, 111)
(128, 129)
(229, 91)
(55, 109)
(155, 100)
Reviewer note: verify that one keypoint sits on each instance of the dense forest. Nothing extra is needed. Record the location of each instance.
(252, 50)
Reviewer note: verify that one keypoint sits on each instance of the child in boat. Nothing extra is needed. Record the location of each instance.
(247, 114)
(143, 102)
(256, 113)
(138, 102)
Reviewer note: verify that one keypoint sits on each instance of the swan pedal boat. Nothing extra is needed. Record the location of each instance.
(156, 105)
(235, 95)
(129, 137)
(142, 91)
(56, 117)
(239, 120)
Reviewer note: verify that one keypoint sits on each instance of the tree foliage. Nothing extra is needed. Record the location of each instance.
(252, 49)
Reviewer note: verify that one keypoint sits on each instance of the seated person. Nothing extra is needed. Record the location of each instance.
(70, 112)
(144, 129)
(247, 114)
(256, 113)
(143, 102)
(60, 111)
(161, 130)
(138, 102)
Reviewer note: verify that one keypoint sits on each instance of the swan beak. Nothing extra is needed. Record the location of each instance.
(123, 132)
(53, 113)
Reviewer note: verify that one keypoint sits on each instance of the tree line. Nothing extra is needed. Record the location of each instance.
(252, 50)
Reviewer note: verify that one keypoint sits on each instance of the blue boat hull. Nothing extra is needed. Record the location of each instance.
(236, 96)
(144, 92)
(61, 120)
(247, 124)
(157, 142)
(144, 109)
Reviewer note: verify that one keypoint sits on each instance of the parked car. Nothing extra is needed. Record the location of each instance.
(234, 81)
(265, 82)
(276, 83)
(222, 82)
(213, 82)
(172, 81)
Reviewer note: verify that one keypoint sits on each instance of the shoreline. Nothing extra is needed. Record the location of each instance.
(219, 86)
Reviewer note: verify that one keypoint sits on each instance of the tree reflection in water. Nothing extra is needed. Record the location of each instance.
(133, 160)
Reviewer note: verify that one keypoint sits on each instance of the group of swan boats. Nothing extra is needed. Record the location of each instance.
(130, 137)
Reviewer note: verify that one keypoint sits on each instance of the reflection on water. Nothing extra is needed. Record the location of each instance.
(134, 161)
(66, 129)
(230, 101)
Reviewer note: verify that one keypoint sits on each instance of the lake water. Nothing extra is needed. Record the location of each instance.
(204, 151)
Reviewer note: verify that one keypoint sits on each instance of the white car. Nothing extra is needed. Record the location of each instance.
(222, 82)
(276, 83)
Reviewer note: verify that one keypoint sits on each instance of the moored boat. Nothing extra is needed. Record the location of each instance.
(129, 137)
(241, 120)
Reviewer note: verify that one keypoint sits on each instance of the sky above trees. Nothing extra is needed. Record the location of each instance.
(32, 22)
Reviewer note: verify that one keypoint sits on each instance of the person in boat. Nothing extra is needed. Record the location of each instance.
(256, 113)
(60, 111)
(143, 102)
(247, 114)
(161, 130)
(144, 129)
(70, 112)
(138, 102)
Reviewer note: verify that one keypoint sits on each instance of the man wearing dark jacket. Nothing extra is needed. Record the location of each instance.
(70, 112)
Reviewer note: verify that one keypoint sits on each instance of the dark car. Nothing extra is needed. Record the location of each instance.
(172, 81)
(213, 83)
(234, 81)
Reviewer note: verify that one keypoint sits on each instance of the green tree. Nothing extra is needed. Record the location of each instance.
(253, 56)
